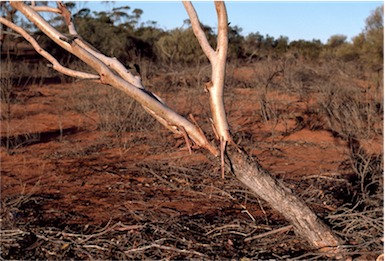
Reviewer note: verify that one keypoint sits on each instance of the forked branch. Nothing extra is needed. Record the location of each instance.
(122, 80)
(218, 62)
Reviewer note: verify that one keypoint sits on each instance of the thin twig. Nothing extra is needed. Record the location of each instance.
(183, 251)
(221, 228)
(279, 230)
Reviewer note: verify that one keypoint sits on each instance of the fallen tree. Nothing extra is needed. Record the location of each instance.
(248, 171)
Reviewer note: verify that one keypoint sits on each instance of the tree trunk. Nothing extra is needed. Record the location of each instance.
(305, 222)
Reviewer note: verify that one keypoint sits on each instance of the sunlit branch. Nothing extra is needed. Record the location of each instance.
(47, 9)
(218, 62)
(198, 31)
(165, 115)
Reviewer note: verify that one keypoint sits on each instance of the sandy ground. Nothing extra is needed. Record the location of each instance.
(65, 171)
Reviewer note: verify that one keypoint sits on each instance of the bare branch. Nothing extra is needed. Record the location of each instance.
(218, 75)
(199, 33)
(42, 24)
(161, 112)
(64, 12)
(219, 71)
(218, 62)
(222, 28)
(303, 219)
(46, 9)
(275, 231)
(55, 64)
(113, 63)
(183, 251)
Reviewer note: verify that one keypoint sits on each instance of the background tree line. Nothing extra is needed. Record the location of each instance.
(119, 33)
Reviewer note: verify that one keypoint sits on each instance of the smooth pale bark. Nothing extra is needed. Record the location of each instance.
(218, 62)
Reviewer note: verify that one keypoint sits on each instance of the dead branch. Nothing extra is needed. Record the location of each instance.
(161, 112)
(198, 31)
(305, 222)
(168, 248)
(112, 63)
(218, 62)
(222, 228)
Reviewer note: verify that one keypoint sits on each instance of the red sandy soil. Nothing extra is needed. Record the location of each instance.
(93, 183)
(83, 177)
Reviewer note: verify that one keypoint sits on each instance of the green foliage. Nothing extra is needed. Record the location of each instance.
(367, 47)
(347, 52)
(336, 40)
(119, 33)
(282, 44)
(236, 40)
(256, 46)
(113, 33)
(179, 46)
(372, 39)
(338, 48)
(307, 50)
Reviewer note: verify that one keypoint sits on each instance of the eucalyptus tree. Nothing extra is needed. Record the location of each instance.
(223, 149)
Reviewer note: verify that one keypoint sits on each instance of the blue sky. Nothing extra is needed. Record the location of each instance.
(306, 20)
